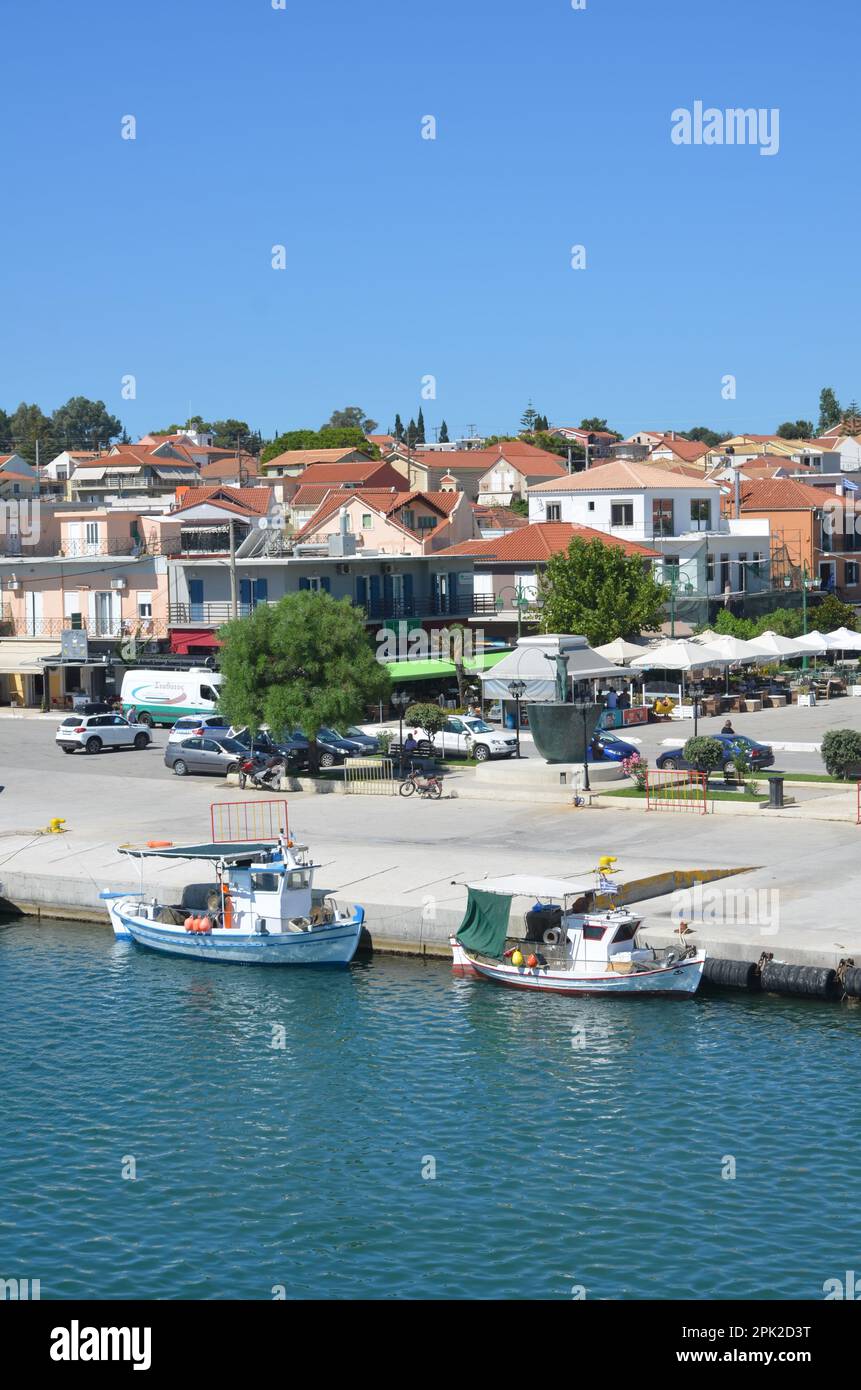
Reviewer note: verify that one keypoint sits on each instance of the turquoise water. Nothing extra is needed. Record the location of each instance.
(301, 1166)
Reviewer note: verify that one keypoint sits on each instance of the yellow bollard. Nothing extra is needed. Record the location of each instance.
(55, 826)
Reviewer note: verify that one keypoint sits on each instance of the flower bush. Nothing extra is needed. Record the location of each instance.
(636, 767)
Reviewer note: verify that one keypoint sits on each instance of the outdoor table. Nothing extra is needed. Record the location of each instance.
(752, 704)
(732, 702)
(777, 700)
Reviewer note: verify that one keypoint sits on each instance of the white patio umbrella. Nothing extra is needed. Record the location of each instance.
(734, 649)
(619, 651)
(843, 639)
(679, 655)
(818, 642)
(708, 636)
(771, 646)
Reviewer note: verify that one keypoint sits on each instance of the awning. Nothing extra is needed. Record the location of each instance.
(485, 923)
(427, 670)
(180, 642)
(21, 657)
(528, 663)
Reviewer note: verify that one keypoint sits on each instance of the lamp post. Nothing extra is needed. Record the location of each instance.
(516, 689)
(521, 602)
(400, 700)
(696, 693)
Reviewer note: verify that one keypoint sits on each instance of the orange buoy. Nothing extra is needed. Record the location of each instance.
(159, 844)
(532, 960)
(189, 923)
(205, 925)
(227, 906)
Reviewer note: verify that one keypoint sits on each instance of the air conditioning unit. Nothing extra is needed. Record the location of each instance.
(14, 585)
(342, 569)
(118, 583)
(387, 569)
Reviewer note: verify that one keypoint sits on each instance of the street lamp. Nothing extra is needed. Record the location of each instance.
(521, 601)
(400, 699)
(516, 690)
(696, 692)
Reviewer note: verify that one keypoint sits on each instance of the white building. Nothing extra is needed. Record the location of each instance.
(676, 515)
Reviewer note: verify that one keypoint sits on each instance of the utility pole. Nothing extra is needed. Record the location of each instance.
(233, 608)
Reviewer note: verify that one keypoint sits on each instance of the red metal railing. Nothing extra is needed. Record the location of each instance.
(668, 790)
(247, 820)
(858, 803)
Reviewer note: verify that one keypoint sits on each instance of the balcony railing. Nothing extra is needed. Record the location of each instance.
(434, 605)
(18, 547)
(143, 630)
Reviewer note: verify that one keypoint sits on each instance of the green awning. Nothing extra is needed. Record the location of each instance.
(427, 670)
(485, 922)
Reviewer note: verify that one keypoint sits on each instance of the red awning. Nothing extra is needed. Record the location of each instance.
(182, 642)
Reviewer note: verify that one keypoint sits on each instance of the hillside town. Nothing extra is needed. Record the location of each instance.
(147, 548)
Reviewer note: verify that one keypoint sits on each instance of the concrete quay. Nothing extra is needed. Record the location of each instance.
(405, 861)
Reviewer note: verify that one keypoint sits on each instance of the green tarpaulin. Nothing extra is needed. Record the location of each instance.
(485, 922)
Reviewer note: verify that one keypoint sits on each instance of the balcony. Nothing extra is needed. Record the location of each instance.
(145, 630)
(383, 609)
(18, 548)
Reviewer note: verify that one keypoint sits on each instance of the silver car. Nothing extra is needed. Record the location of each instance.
(202, 754)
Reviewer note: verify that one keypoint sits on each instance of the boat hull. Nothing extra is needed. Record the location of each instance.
(332, 944)
(682, 978)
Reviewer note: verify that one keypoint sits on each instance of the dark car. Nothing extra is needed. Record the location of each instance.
(353, 734)
(759, 754)
(606, 747)
(351, 747)
(263, 745)
(331, 751)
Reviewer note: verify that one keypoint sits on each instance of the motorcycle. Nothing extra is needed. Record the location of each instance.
(266, 776)
(428, 785)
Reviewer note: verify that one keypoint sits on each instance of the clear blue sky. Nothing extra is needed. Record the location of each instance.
(405, 256)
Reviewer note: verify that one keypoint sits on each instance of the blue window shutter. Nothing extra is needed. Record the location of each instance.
(261, 590)
(325, 584)
(245, 593)
(361, 592)
(375, 594)
(195, 591)
(408, 595)
(304, 582)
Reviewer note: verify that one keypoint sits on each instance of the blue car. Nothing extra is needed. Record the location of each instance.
(606, 747)
(759, 754)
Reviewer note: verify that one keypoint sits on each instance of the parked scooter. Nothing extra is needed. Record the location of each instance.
(267, 776)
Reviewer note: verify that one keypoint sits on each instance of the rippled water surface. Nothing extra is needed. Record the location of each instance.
(557, 1165)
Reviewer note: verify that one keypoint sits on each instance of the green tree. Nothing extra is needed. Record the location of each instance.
(351, 417)
(705, 754)
(519, 505)
(796, 429)
(599, 591)
(412, 433)
(85, 424)
(443, 433)
(830, 614)
(398, 431)
(226, 433)
(33, 434)
(346, 438)
(841, 749)
(5, 433)
(427, 717)
(829, 409)
(420, 428)
(528, 419)
(701, 435)
(302, 663)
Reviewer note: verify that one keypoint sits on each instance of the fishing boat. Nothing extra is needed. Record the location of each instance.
(571, 946)
(258, 911)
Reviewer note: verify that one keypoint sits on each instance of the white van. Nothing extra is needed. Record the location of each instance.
(162, 697)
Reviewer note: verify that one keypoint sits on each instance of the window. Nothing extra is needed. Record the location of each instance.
(144, 605)
(850, 573)
(590, 507)
(264, 883)
(701, 514)
(298, 878)
(408, 517)
(710, 567)
(91, 533)
(662, 516)
(554, 511)
(591, 932)
(621, 513)
(742, 570)
(427, 523)
(366, 521)
(207, 693)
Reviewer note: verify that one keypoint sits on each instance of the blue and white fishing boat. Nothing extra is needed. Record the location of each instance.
(259, 909)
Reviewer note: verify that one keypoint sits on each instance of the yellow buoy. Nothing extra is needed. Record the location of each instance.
(55, 826)
(517, 958)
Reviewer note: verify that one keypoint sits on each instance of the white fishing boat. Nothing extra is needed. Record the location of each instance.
(571, 946)
(259, 910)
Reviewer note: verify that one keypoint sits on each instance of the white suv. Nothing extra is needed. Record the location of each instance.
(468, 736)
(93, 732)
(191, 724)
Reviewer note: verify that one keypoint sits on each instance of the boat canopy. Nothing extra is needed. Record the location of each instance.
(234, 852)
(531, 886)
(485, 922)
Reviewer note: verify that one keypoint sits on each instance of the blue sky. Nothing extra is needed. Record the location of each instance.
(409, 257)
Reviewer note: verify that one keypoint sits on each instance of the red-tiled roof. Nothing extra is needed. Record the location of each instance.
(228, 467)
(782, 495)
(385, 501)
(541, 539)
(306, 458)
(686, 449)
(249, 501)
(621, 475)
(380, 474)
(501, 518)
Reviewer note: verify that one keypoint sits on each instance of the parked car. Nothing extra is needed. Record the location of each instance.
(84, 706)
(350, 746)
(332, 750)
(760, 755)
(606, 747)
(356, 735)
(191, 724)
(467, 736)
(202, 753)
(263, 745)
(93, 732)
